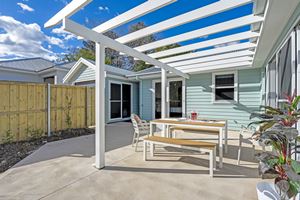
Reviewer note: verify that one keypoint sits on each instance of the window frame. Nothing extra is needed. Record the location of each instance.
(235, 87)
(109, 100)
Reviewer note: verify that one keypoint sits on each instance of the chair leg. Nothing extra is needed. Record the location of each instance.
(211, 163)
(137, 141)
(145, 151)
(239, 150)
(134, 138)
(215, 157)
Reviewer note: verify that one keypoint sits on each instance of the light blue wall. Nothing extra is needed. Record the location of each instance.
(146, 99)
(199, 97)
(87, 74)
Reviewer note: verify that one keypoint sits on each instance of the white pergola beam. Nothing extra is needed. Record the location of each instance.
(218, 67)
(89, 34)
(188, 17)
(66, 12)
(231, 24)
(210, 52)
(204, 44)
(136, 12)
(212, 58)
(218, 62)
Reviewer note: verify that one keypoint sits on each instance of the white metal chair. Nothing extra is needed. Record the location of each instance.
(141, 128)
(245, 136)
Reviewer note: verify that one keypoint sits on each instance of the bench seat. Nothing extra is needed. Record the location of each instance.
(212, 131)
(201, 146)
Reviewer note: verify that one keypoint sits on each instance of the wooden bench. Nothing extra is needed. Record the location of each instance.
(212, 131)
(207, 147)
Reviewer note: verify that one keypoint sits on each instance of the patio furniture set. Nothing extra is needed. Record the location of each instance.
(168, 138)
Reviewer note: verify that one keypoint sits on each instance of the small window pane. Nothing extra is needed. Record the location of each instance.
(115, 111)
(224, 94)
(285, 70)
(224, 80)
(115, 93)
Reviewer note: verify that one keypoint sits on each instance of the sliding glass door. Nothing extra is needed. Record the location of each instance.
(174, 100)
(120, 101)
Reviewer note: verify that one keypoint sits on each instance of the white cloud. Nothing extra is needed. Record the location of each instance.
(25, 40)
(103, 8)
(25, 7)
(60, 32)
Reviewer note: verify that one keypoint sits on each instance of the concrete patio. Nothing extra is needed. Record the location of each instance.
(63, 170)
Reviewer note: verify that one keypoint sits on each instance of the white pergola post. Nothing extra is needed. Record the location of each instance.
(163, 97)
(100, 107)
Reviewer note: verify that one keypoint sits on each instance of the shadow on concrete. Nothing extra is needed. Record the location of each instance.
(117, 135)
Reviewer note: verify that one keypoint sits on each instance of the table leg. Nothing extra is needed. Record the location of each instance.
(220, 147)
(226, 136)
(151, 134)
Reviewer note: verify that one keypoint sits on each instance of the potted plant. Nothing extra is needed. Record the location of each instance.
(277, 130)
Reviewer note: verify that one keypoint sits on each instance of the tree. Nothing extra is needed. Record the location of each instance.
(113, 57)
(87, 51)
(138, 65)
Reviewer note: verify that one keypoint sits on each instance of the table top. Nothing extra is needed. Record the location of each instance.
(183, 121)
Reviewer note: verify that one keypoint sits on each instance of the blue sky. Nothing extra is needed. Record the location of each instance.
(22, 33)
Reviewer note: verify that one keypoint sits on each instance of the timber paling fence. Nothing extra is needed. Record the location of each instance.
(29, 110)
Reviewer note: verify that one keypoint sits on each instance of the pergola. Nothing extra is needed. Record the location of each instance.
(181, 61)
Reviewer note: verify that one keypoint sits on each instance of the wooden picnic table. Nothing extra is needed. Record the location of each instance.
(220, 125)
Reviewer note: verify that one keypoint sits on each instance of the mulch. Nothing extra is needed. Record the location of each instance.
(11, 153)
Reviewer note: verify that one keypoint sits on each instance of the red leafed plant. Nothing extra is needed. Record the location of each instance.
(277, 130)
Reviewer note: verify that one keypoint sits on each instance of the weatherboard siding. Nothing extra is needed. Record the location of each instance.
(199, 98)
(88, 74)
(146, 98)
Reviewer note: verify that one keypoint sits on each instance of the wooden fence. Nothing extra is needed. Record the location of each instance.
(24, 109)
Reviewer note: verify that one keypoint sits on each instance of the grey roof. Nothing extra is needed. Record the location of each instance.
(149, 70)
(67, 65)
(34, 64)
(27, 64)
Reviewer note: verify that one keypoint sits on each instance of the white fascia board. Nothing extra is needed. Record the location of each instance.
(67, 11)
(231, 24)
(188, 17)
(214, 63)
(204, 44)
(75, 68)
(89, 34)
(212, 58)
(136, 12)
(218, 67)
(215, 51)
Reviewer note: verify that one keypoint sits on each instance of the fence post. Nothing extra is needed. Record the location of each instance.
(49, 109)
(86, 107)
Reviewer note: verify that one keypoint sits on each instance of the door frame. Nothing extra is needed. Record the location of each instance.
(167, 95)
(109, 102)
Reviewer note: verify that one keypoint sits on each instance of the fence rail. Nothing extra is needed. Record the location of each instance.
(24, 109)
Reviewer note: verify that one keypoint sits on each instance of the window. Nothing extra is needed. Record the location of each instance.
(49, 80)
(285, 70)
(224, 86)
(120, 101)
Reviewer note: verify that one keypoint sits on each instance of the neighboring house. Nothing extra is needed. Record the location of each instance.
(37, 70)
(231, 93)
(122, 94)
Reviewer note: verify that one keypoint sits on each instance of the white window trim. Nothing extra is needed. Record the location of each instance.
(109, 101)
(167, 95)
(213, 87)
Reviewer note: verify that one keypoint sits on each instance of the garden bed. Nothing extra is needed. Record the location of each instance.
(11, 153)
